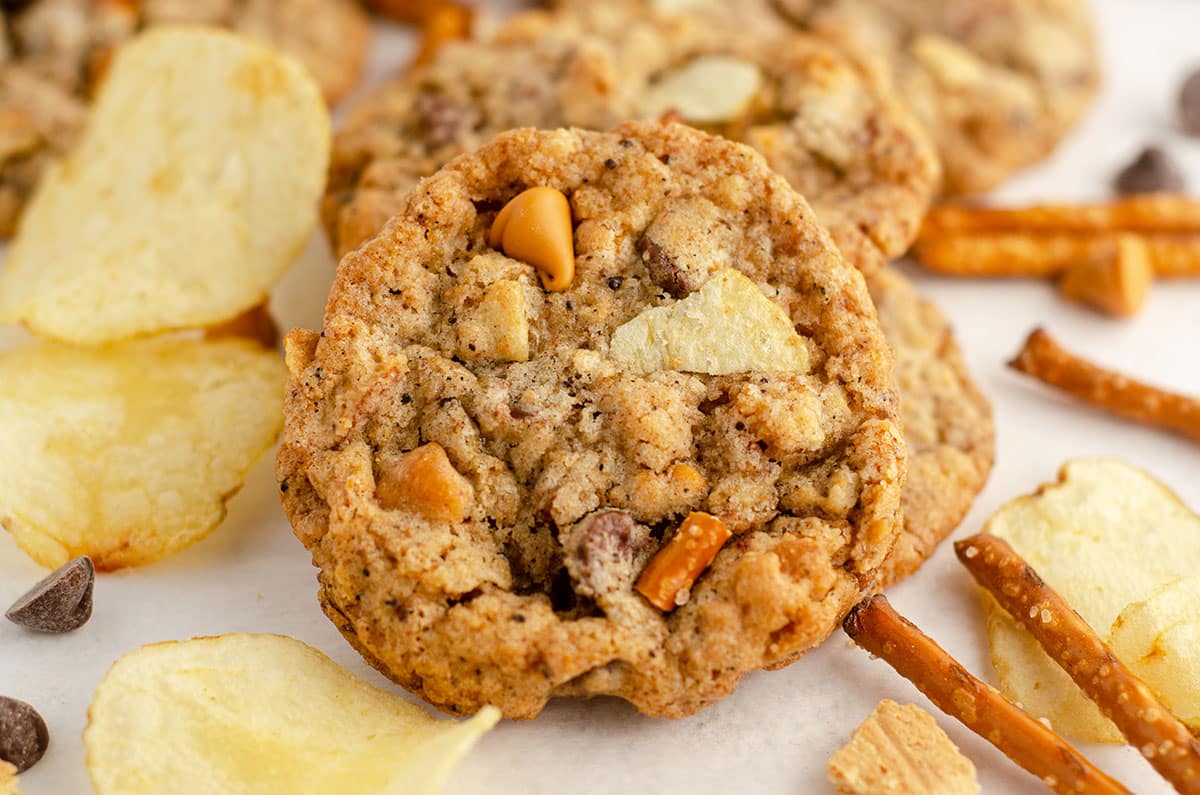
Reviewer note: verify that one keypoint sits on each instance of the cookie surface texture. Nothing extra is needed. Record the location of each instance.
(480, 509)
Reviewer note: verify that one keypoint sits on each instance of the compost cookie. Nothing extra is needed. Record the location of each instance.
(823, 122)
(484, 454)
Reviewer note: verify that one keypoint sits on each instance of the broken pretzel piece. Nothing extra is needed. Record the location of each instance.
(1128, 702)
(1115, 282)
(1045, 360)
(425, 482)
(883, 632)
(667, 579)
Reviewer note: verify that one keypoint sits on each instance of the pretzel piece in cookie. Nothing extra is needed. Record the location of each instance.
(1044, 359)
(880, 630)
(1145, 721)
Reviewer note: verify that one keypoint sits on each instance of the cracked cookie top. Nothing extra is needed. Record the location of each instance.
(512, 483)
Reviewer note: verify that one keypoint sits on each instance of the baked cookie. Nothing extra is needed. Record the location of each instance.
(947, 422)
(482, 467)
(53, 51)
(821, 121)
(996, 83)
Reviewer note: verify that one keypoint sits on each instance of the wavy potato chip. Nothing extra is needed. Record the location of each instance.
(262, 714)
(727, 326)
(129, 452)
(194, 187)
(1104, 536)
(1159, 639)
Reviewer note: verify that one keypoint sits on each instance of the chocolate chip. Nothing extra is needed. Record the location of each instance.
(23, 734)
(602, 552)
(1189, 104)
(664, 270)
(1153, 171)
(61, 602)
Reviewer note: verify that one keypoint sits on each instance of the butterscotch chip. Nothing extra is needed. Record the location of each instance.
(584, 462)
(425, 482)
(901, 750)
(1115, 282)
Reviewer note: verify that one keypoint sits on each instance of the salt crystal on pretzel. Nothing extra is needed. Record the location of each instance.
(1045, 360)
(1145, 721)
(880, 630)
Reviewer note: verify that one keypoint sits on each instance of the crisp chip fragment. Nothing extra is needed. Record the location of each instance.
(194, 187)
(1104, 536)
(1159, 639)
(129, 452)
(710, 89)
(264, 714)
(900, 750)
(727, 326)
(8, 779)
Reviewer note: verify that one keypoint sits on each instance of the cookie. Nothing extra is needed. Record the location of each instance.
(52, 53)
(997, 83)
(947, 422)
(835, 132)
(482, 467)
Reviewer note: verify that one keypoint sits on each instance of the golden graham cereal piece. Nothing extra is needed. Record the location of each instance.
(8, 779)
(535, 227)
(1116, 282)
(1159, 639)
(1104, 536)
(879, 630)
(425, 482)
(900, 750)
(184, 213)
(1146, 722)
(127, 453)
(263, 714)
(668, 577)
(1044, 359)
(447, 23)
(727, 326)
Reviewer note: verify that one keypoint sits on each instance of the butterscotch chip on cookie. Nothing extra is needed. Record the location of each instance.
(558, 476)
(900, 750)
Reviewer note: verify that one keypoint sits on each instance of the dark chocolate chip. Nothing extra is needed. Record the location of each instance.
(1189, 104)
(23, 734)
(1153, 171)
(61, 602)
(664, 270)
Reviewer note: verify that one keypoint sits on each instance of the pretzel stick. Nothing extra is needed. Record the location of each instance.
(1145, 721)
(880, 630)
(1161, 212)
(1044, 254)
(1045, 360)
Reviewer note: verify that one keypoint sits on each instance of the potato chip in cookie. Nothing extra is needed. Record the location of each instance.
(490, 528)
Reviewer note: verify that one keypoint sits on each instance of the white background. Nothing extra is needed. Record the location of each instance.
(776, 732)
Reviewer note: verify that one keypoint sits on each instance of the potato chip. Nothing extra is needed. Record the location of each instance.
(727, 326)
(263, 714)
(8, 779)
(194, 187)
(1159, 639)
(129, 452)
(1105, 536)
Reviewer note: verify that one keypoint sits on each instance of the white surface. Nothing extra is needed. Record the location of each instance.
(776, 732)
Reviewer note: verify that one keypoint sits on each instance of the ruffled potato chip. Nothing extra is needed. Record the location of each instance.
(262, 714)
(194, 187)
(129, 452)
(727, 326)
(1104, 536)
(1159, 639)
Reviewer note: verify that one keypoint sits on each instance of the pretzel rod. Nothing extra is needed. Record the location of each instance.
(1047, 361)
(1145, 721)
(1153, 212)
(880, 630)
(1044, 254)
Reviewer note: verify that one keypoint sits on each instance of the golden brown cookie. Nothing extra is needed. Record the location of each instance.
(483, 455)
(827, 125)
(947, 422)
